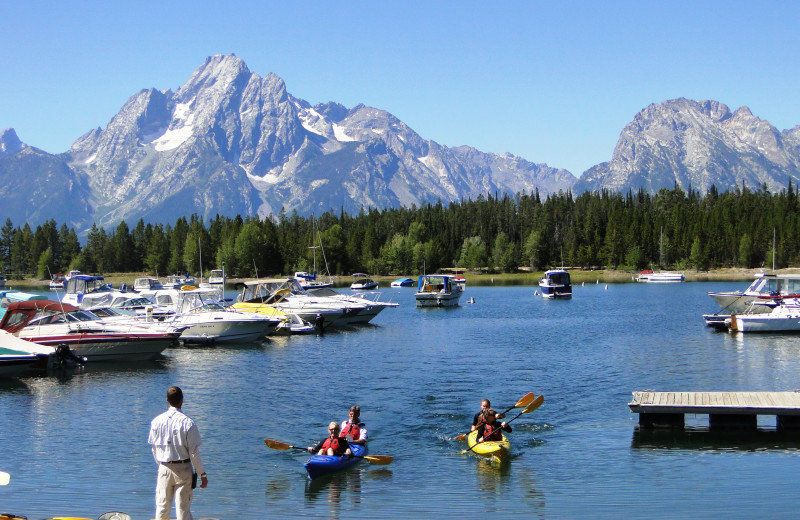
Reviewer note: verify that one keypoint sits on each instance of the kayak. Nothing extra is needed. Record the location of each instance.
(319, 465)
(496, 449)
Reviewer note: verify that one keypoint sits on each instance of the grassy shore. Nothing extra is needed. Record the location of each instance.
(477, 278)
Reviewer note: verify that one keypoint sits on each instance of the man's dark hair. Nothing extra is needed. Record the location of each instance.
(174, 396)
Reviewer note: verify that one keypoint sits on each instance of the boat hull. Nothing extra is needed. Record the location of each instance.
(765, 323)
(438, 299)
(108, 347)
(320, 465)
(498, 450)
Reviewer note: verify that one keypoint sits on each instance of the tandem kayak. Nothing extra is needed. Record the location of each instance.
(319, 465)
(495, 449)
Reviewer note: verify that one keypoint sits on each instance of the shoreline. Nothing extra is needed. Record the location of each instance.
(735, 274)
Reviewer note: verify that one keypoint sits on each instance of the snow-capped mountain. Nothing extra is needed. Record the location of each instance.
(231, 142)
(698, 144)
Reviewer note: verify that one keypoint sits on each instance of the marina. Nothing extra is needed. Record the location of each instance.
(419, 376)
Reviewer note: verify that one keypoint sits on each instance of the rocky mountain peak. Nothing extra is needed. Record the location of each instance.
(9, 142)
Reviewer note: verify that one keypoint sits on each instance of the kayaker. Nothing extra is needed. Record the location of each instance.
(490, 429)
(354, 428)
(333, 445)
(479, 417)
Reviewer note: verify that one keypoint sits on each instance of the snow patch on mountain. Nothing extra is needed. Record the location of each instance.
(177, 135)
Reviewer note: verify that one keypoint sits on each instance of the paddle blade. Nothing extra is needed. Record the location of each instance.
(4, 478)
(536, 403)
(380, 460)
(275, 445)
(525, 401)
(460, 437)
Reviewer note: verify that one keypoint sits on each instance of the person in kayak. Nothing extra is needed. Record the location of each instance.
(490, 429)
(354, 428)
(480, 416)
(333, 445)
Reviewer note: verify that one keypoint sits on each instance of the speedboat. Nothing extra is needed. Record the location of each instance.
(648, 275)
(286, 295)
(9, 297)
(216, 277)
(53, 323)
(782, 315)
(176, 281)
(403, 282)
(371, 300)
(203, 318)
(438, 290)
(764, 286)
(362, 282)
(80, 285)
(57, 281)
(555, 284)
(147, 284)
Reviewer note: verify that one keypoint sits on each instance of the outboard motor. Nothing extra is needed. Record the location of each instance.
(319, 322)
(64, 357)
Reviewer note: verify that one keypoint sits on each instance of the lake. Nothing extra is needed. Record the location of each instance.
(77, 445)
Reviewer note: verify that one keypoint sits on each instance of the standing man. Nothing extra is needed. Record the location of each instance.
(175, 441)
(354, 428)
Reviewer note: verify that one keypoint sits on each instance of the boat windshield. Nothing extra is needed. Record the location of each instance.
(559, 278)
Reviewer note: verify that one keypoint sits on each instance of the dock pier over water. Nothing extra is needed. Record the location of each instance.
(725, 410)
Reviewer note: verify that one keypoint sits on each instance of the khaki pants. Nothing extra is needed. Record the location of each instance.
(174, 481)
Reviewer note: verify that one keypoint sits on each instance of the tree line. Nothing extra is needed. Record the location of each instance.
(671, 229)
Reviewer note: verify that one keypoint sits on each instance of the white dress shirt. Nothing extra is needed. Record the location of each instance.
(174, 437)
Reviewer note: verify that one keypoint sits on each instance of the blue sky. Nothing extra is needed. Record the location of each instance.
(553, 82)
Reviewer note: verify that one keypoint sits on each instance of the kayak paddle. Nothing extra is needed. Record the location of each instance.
(4, 478)
(524, 401)
(528, 409)
(380, 460)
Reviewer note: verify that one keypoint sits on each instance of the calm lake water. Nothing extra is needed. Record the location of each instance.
(78, 446)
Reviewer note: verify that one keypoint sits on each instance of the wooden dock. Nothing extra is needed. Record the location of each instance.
(725, 410)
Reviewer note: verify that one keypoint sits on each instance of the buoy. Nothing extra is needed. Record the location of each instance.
(583, 283)
(598, 281)
(536, 293)
(471, 300)
(606, 287)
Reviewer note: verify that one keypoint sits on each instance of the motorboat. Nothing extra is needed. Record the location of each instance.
(783, 315)
(362, 282)
(403, 282)
(80, 285)
(203, 318)
(217, 277)
(57, 282)
(53, 323)
(18, 356)
(371, 300)
(286, 295)
(290, 323)
(11, 296)
(764, 286)
(147, 284)
(438, 290)
(647, 275)
(555, 283)
(176, 281)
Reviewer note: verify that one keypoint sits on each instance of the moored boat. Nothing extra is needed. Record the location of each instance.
(437, 290)
(319, 465)
(498, 450)
(57, 281)
(783, 316)
(763, 286)
(362, 282)
(648, 275)
(403, 282)
(555, 283)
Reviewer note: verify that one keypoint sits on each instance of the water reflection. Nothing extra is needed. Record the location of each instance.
(335, 490)
(701, 439)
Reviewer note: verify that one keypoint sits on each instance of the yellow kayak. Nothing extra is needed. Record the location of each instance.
(496, 449)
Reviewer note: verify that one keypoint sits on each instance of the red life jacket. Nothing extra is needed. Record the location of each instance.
(334, 444)
(353, 430)
(491, 433)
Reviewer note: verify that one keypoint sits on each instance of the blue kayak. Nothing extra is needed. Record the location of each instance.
(319, 465)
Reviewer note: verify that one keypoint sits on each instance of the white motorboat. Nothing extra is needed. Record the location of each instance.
(217, 277)
(764, 286)
(57, 282)
(80, 285)
(362, 282)
(371, 300)
(438, 290)
(286, 295)
(783, 315)
(53, 323)
(659, 277)
(555, 283)
(147, 284)
(309, 281)
(176, 281)
(204, 319)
